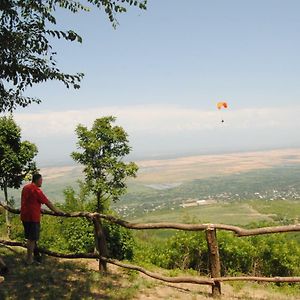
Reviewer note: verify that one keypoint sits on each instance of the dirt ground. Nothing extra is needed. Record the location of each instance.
(79, 279)
(169, 291)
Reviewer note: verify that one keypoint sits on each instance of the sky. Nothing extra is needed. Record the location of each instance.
(162, 71)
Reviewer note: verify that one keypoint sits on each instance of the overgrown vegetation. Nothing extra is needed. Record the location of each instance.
(76, 235)
(268, 255)
(16, 159)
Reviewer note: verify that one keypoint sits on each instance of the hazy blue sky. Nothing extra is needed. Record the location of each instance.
(163, 71)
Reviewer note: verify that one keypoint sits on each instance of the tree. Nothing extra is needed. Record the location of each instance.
(27, 28)
(16, 158)
(103, 149)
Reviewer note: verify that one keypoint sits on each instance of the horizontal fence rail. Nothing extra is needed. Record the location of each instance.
(210, 230)
(240, 232)
(196, 280)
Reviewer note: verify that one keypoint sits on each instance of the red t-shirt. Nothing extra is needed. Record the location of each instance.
(31, 201)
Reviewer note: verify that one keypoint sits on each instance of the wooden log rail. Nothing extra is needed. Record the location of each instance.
(211, 237)
(196, 280)
(240, 232)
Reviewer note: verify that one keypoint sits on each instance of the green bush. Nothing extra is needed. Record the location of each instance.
(120, 241)
(268, 255)
(184, 250)
(278, 255)
(76, 235)
(238, 255)
(79, 234)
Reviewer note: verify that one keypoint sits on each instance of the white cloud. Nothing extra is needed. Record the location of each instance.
(167, 130)
(158, 119)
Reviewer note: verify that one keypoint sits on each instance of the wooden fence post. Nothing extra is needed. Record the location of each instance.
(214, 259)
(100, 243)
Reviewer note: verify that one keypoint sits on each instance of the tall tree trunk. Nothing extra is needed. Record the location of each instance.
(7, 218)
(100, 243)
(100, 207)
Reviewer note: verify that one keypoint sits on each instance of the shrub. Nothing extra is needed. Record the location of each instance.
(268, 255)
(120, 241)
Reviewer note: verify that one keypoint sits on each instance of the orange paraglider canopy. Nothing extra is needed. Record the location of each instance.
(221, 105)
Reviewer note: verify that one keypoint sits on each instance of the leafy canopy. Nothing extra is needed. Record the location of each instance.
(16, 157)
(103, 148)
(27, 57)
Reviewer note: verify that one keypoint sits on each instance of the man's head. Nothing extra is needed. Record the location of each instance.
(37, 179)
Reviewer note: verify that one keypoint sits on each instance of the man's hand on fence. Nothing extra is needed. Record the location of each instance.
(59, 212)
(54, 209)
(56, 212)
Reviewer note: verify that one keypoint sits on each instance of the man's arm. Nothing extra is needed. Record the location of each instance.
(52, 207)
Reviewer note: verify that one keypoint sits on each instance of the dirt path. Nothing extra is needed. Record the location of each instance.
(167, 291)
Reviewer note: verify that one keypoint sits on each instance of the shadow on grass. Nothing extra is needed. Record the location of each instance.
(55, 279)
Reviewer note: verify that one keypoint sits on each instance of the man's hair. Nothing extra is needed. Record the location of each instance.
(36, 177)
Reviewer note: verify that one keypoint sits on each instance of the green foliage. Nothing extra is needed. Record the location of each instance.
(79, 233)
(60, 234)
(27, 29)
(238, 255)
(278, 255)
(16, 157)
(120, 241)
(76, 201)
(103, 148)
(269, 255)
(17, 228)
(76, 235)
(184, 250)
(187, 251)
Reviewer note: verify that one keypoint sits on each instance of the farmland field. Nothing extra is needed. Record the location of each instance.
(235, 213)
(236, 188)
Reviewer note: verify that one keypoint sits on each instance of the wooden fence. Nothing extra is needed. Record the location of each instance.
(210, 229)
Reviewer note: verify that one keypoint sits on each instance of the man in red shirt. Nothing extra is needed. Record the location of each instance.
(31, 201)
